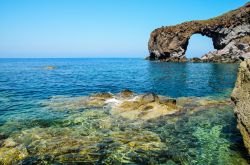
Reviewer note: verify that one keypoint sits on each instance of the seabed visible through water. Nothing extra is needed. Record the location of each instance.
(124, 129)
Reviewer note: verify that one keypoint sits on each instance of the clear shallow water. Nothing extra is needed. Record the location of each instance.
(25, 84)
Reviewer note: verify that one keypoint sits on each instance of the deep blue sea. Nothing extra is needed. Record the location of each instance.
(25, 83)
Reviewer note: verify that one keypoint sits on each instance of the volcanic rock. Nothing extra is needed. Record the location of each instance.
(229, 32)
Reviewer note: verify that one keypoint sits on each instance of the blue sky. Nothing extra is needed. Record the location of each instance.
(97, 28)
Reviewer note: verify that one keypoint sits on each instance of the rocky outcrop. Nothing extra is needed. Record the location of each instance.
(241, 98)
(230, 33)
(145, 107)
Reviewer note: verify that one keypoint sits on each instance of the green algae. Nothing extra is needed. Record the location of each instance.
(213, 148)
(203, 131)
(207, 136)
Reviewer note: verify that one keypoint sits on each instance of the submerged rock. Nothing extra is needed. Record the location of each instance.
(65, 103)
(9, 143)
(98, 100)
(50, 67)
(65, 144)
(12, 155)
(2, 136)
(229, 32)
(241, 98)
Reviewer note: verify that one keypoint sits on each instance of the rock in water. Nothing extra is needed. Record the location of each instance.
(229, 32)
(102, 95)
(50, 67)
(126, 93)
(241, 98)
(195, 59)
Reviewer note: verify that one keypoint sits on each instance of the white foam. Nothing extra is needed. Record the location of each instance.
(113, 100)
(134, 98)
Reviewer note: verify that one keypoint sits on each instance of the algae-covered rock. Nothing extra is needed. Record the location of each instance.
(196, 103)
(99, 99)
(72, 144)
(12, 155)
(65, 103)
(9, 143)
(126, 93)
(95, 102)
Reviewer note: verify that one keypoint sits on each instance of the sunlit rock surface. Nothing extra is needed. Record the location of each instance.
(144, 107)
(241, 98)
(229, 32)
(125, 128)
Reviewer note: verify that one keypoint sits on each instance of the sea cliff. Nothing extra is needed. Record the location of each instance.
(241, 98)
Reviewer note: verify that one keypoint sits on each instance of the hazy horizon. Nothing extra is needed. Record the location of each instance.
(96, 28)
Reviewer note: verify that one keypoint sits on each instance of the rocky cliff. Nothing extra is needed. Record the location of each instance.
(230, 33)
(241, 98)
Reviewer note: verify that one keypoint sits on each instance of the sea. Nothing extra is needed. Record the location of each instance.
(42, 120)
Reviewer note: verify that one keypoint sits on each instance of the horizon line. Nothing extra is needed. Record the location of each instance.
(66, 57)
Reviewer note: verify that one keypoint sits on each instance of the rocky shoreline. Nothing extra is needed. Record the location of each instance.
(230, 33)
(241, 98)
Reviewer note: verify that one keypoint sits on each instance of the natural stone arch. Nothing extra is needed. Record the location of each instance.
(198, 45)
(233, 28)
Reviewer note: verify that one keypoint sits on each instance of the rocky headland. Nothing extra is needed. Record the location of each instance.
(241, 98)
(230, 33)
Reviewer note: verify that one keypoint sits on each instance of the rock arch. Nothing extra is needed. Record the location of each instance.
(198, 45)
(230, 34)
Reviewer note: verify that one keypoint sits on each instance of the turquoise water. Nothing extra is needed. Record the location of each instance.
(42, 119)
(24, 80)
